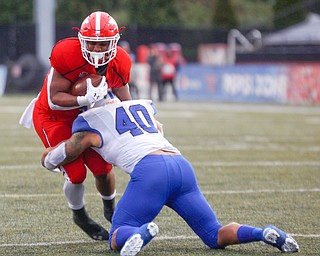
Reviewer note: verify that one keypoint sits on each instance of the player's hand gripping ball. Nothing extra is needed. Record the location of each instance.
(79, 88)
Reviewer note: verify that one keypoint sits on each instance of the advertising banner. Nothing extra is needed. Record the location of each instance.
(299, 83)
(304, 83)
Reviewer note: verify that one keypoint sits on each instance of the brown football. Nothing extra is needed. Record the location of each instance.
(79, 87)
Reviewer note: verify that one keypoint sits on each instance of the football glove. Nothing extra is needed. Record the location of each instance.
(95, 94)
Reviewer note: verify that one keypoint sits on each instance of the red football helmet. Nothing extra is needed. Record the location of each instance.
(97, 27)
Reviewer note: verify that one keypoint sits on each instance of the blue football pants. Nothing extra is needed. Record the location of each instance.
(159, 180)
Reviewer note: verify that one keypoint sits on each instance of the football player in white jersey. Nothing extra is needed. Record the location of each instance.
(126, 134)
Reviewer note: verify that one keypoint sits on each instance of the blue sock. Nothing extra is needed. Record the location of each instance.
(123, 233)
(247, 234)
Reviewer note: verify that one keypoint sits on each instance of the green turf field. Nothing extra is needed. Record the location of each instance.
(256, 164)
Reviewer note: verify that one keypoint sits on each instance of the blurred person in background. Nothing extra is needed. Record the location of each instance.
(133, 87)
(177, 55)
(155, 63)
(52, 113)
(172, 60)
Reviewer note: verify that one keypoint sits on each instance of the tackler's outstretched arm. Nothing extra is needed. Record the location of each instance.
(69, 150)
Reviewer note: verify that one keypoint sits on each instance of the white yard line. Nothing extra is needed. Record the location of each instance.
(195, 163)
(20, 167)
(247, 147)
(178, 107)
(214, 147)
(233, 107)
(259, 163)
(221, 192)
(161, 238)
(250, 191)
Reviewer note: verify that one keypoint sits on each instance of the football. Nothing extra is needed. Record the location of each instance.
(79, 87)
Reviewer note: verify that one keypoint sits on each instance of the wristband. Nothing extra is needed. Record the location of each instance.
(83, 101)
(55, 157)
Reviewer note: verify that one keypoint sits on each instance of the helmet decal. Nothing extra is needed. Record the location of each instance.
(98, 20)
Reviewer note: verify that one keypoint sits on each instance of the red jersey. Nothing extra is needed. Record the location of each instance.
(66, 58)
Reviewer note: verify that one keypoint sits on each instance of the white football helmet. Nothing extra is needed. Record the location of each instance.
(99, 27)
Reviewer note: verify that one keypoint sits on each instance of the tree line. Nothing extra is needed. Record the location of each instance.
(217, 14)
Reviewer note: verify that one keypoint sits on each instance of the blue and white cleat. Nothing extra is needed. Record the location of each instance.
(135, 243)
(278, 238)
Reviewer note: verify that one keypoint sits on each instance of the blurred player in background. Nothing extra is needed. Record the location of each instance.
(133, 86)
(95, 51)
(172, 59)
(155, 63)
(160, 176)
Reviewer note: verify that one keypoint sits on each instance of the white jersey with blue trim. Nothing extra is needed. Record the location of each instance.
(128, 131)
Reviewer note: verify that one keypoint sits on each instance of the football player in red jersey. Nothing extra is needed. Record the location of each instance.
(94, 51)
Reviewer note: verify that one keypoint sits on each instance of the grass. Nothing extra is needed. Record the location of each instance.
(256, 164)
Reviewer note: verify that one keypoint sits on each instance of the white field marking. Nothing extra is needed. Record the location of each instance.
(313, 120)
(48, 243)
(175, 114)
(235, 107)
(160, 238)
(24, 149)
(21, 167)
(11, 127)
(249, 191)
(264, 163)
(246, 147)
(169, 108)
(195, 163)
(221, 192)
(216, 147)
(12, 109)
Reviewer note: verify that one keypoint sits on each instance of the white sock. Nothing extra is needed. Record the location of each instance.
(74, 194)
(109, 197)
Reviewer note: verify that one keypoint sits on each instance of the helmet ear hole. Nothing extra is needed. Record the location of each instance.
(99, 27)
